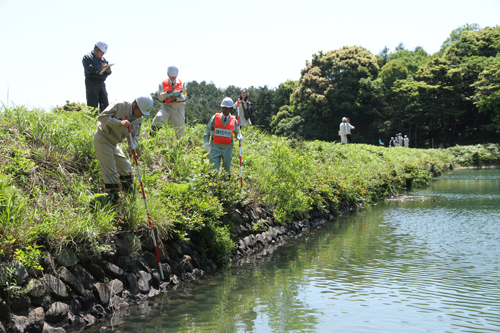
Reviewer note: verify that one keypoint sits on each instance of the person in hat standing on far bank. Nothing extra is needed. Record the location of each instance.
(343, 131)
(93, 62)
(112, 130)
(222, 127)
(348, 128)
(173, 95)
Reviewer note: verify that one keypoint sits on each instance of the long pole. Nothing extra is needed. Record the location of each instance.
(241, 163)
(146, 203)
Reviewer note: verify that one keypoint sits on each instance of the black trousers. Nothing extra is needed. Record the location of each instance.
(97, 96)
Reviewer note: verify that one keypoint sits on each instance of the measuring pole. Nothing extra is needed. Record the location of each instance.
(146, 203)
(241, 164)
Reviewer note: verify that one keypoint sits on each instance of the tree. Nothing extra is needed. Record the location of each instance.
(392, 71)
(487, 95)
(456, 34)
(412, 60)
(328, 89)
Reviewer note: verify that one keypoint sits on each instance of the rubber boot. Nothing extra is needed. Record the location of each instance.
(113, 191)
(127, 183)
(154, 130)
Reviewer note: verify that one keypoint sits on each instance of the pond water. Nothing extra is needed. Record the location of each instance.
(430, 265)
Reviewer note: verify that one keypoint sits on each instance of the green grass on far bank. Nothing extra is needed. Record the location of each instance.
(51, 187)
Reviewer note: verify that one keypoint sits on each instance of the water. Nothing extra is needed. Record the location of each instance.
(429, 265)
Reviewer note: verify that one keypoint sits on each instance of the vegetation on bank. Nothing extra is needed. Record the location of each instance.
(51, 188)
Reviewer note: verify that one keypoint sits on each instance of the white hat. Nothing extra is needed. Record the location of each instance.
(227, 102)
(344, 119)
(102, 46)
(145, 103)
(172, 71)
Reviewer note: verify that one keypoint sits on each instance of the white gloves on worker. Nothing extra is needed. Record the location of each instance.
(207, 146)
(240, 137)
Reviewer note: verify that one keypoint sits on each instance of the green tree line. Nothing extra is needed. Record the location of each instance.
(450, 97)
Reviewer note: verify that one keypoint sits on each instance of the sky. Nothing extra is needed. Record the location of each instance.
(253, 43)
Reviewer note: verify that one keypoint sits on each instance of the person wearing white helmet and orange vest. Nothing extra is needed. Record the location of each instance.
(173, 95)
(221, 128)
(112, 130)
(93, 64)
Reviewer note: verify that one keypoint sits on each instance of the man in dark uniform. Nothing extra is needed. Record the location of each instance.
(93, 64)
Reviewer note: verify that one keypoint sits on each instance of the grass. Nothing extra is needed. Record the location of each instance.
(51, 187)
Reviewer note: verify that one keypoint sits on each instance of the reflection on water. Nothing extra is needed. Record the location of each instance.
(417, 266)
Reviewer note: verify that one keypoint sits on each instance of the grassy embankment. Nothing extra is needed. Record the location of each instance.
(50, 184)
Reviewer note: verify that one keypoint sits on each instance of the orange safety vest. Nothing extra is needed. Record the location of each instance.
(223, 134)
(167, 86)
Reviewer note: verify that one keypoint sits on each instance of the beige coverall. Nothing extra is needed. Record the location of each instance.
(174, 111)
(109, 134)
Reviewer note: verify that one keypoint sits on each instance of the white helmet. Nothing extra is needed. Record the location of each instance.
(344, 119)
(102, 46)
(172, 70)
(145, 103)
(227, 102)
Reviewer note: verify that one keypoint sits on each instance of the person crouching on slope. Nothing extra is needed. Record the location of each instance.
(112, 130)
(222, 127)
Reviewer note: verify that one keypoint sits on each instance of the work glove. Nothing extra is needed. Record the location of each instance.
(240, 137)
(207, 146)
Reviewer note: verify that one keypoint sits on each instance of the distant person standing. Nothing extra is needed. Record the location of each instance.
(391, 142)
(245, 109)
(343, 131)
(95, 75)
(173, 95)
(348, 128)
(407, 141)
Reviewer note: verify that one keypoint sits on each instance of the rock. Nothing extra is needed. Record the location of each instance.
(254, 213)
(185, 248)
(49, 329)
(4, 310)
(118, 304)
(116, 287)
(96, 272)
(166, 270)
(89, 319)
(142, 264)
(174, 280)
(112, 269)
(48, 264)
(20, 273)
(188, 277)
(153, 293)
(17, 323)
(20, 302)
(44, 301)
(236, 216)
(71, 280)
(101, 293)
(67, 257)
(150, 259)
(144, 281)
(133, 286)
(175, 268)
(186, 264)
(57, 312)
(37, 289)
(75, 306)
(122, 247)
(241, 244)
(248, 241)
(174, 250)
(85, 278)
(98, 311)
(4, 276)
(127, 264)
(87, 299)
(76, 322)
(57, 287)
(155, 279)
(2, 329)
(36, 319)
(164, 257)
